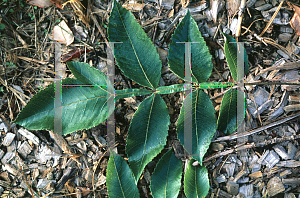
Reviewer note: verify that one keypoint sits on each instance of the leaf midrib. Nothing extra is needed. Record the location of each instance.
(119, 178)
(167, 176)
(196, 126)
(133, 47)
(147, 131)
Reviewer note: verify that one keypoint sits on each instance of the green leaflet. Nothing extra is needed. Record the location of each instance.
(228, 121)
(87, 74)
(203, 124)
(90, 75)
(119, 178)
(196, 182)
(187, 31)
(136, 56)
(166, 178)
(147, 133)
(82, 108)
(230, 48)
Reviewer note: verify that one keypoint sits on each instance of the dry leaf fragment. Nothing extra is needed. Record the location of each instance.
(216, 6)
(232, 7)
(29, 136)
(62, 33)
(295, 21)
(41, 3)
(133, 6)
(61, 142)
(45, 3)
(293, 107)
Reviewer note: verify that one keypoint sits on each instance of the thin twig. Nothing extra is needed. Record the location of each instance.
(273, 82)
(95, 168)
(275, 123)
(286, 66)
(240, 18)
(155, 28)
(251, 145)
(273, 17)
(31, 191)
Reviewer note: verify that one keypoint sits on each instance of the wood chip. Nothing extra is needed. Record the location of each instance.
(289, 164)
(281, 152)
(275, 186)
(256, 175)
(8, 139)
(29, 136)
(232, 188)
(25, 149)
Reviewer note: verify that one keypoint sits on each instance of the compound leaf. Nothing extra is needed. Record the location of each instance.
(166, 178)
(230, 48)
(203, 123)
(187, 31)
(119, 180)
(136, 55)
(147, 133)
(229, 120)
(196, 182)
(83, 107)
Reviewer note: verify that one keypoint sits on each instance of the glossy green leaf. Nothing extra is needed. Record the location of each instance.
(230, 48)
(166, 178)
(87, 74)
(228, 120)
(83, 107)
(119, 178)
(202, 121)
(147, 133)
(196, 182)
(136, 56)
(187, 31)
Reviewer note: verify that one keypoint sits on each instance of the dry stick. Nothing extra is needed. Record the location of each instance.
(273, 82)
(62, 143)
(273, 87)
(155, 28)
(251, 132)
(184, 4)
(273, 17)
(11, 115)
(2, 116)
(223, 153)
(240, 18)
(100, 30)
(272, 42)
(95, 168)
(248, 28)
(252, 145)
(26, 180)
(286, 66)
(35, 30)
(15, 92)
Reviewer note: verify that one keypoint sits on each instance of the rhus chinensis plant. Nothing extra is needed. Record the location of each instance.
(136, 56)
